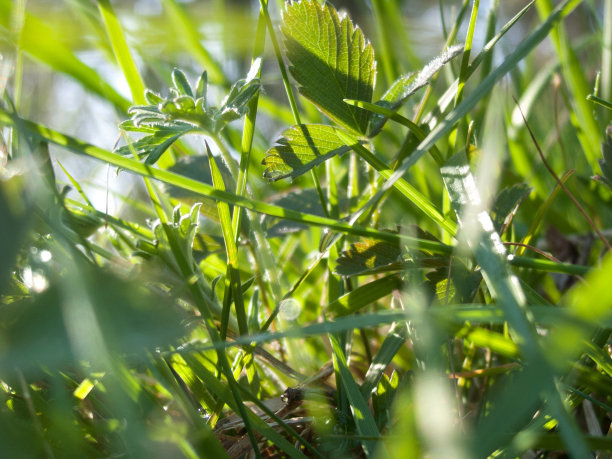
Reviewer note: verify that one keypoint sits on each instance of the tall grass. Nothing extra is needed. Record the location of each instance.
(293, 248)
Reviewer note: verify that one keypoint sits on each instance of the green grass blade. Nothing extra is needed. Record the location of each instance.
(364, 422)
(41, 41)
(588, 131)
(363, 296)
(465, 59)
(411, 193)
(122, 52)
(233, 290)
(209, 192)
(481, 91)
(393, 342)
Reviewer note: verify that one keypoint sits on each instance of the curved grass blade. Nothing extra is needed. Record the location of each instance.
(207, 191)
(42, 42)
(122, 52)
(364, 421)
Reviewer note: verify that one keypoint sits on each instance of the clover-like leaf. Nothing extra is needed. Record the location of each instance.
(331, 61)
(301, 148)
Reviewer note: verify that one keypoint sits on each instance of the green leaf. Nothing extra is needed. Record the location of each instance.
(369, 256)
(393, 342)
(180, 83)
(301, 148)
(331, 61)
(363, 296)
(304, 200)
(153, 146)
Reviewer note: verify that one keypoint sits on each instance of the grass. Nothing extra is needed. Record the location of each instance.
(317, 255)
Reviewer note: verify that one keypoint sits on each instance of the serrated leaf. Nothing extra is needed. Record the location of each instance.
(367, 256)
(507, 203)
(301, 148)
(331, 61)
(407, 85)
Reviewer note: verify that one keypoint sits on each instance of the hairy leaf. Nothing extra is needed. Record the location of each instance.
(331, 60)
(301, 148)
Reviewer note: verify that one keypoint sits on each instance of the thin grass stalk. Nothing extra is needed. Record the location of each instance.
(290, 96)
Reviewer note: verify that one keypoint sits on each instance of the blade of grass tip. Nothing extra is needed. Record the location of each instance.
(449, 40)
(469, 102)
(75, 184)
(391, 345)
(207, 191)
(421, 202)
(467, 49)
(364, 421)
(562, 185)
(587, 130)
(290, 96)
(487, 63)
(192, 41)
(248, 129)
(463, 72)
(233, 289)
(122, 52)
(602, 102)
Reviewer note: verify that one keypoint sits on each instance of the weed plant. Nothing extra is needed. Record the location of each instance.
(331, 243)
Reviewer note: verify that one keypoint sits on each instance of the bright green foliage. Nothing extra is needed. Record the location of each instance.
(185, 110)
(331, 60)
(301, 148)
